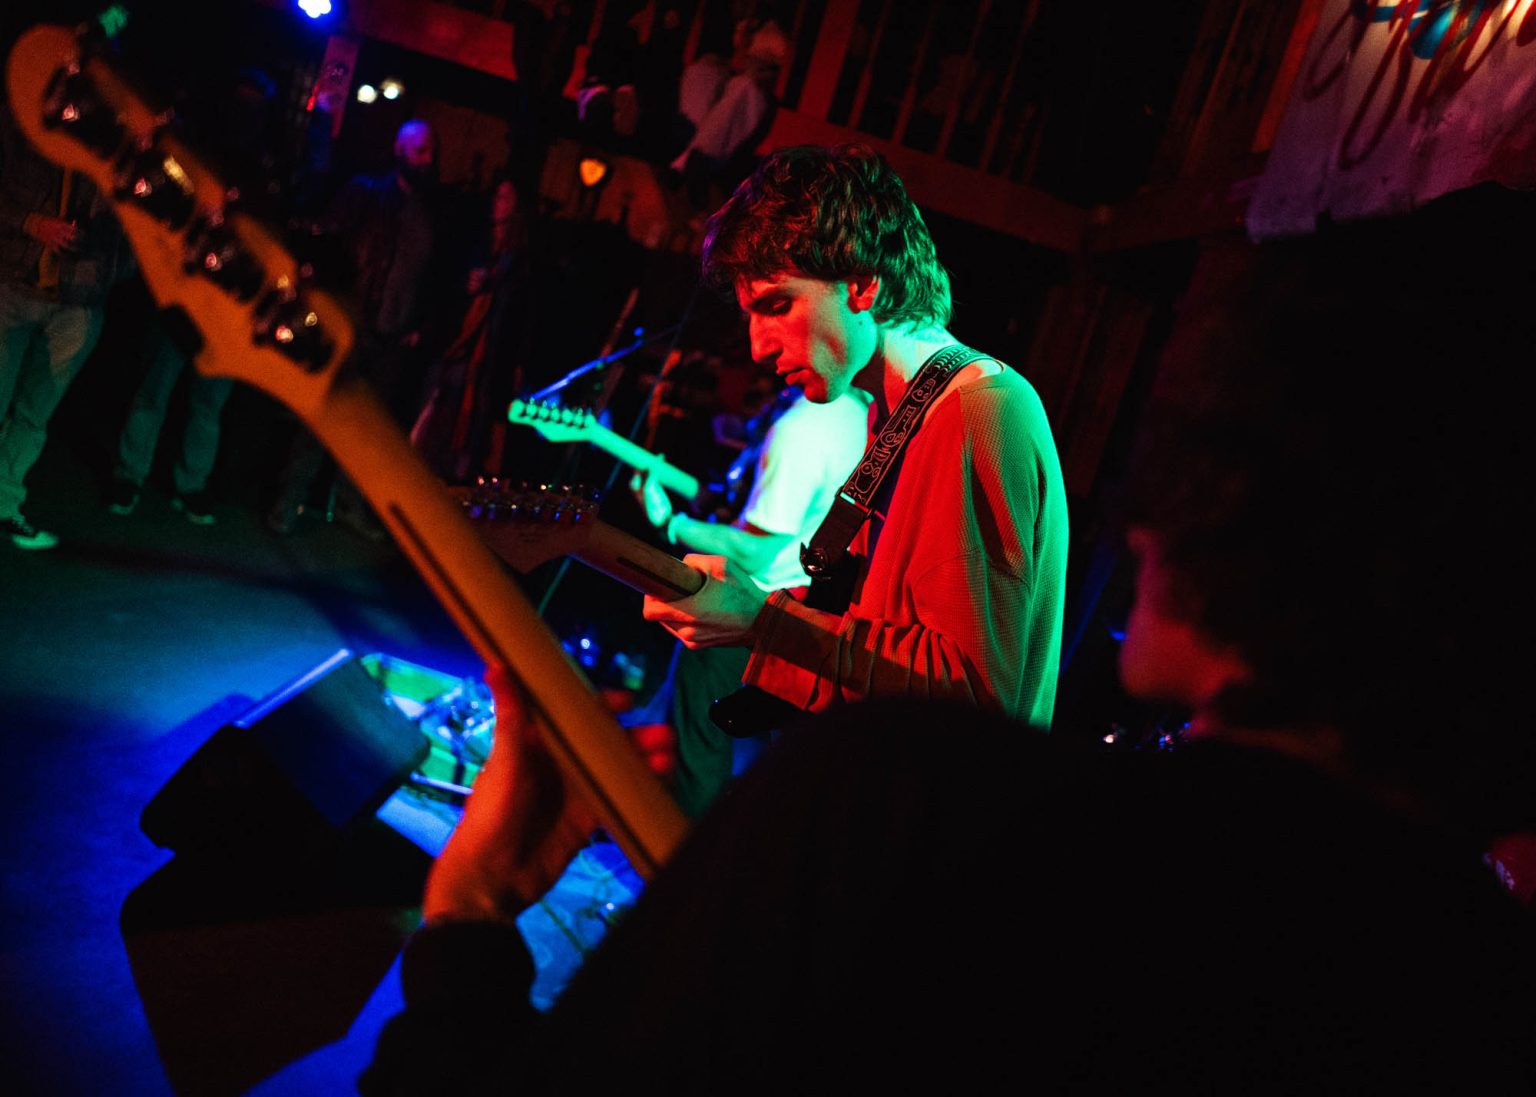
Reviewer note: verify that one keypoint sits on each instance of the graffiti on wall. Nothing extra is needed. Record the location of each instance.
(1398, 103)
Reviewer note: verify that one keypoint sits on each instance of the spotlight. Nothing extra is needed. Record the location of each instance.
(593, 170)
(315, 9)
(113, 19)
(366, 93)
(391, 88)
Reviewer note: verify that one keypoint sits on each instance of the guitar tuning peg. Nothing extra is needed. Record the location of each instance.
(285, 322)
(152, 178)
(215, 251)
(72, 103)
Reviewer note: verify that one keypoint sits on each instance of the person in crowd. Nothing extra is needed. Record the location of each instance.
(236, 129)
(917, 895)
(61, 251)
(798, 455)
(462, 426)
(387, 228)
(725, 112)
(961, 556)
(608, 106)
(544, 44)
(199, 442)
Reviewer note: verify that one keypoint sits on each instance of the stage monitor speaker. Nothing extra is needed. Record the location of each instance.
(303, 766)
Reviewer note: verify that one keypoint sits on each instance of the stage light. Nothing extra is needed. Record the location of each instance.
(113, 19)
(592, 170)
(391, 88)
(315, 9)
(366, 93)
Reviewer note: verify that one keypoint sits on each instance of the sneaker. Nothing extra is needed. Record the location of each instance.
(282, 517)
(25, 535)
(123, 497)
(363, 523)
(194, 504)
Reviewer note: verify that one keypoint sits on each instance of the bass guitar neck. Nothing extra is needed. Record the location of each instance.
(561, 424)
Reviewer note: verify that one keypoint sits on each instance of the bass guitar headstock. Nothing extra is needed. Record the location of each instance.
(553, 422)
(239, 293)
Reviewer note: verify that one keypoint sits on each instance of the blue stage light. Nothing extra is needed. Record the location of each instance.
(315, 9)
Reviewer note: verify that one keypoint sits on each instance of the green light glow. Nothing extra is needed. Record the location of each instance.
(113, 19)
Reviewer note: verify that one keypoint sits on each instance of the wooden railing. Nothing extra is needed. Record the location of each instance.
(956, 93)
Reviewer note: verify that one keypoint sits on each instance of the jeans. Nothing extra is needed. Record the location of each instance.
(199, 438)
(396, 372)
(43, 344)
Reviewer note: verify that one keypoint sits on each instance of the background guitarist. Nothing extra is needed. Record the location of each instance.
(962, 592)
(806, 454)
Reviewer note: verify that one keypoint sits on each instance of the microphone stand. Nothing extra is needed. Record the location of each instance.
(594, 367)
(642, 339)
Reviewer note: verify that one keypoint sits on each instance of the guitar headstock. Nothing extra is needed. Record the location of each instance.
(241, 291)
(529, 524)
(553, 422)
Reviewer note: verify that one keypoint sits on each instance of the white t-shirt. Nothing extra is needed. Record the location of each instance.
(806, 457)
(730, 121)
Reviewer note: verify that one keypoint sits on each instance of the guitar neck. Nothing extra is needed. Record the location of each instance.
(671, 477)
(584, 425)
(637, 565)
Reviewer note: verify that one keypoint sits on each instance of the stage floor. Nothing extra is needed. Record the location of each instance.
(128, 969)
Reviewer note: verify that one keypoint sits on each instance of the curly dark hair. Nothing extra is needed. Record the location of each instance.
(1335, 485)
(834, 214)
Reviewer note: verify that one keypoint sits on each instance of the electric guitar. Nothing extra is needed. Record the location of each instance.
(558, 424)
(232, 292)
(528, 526)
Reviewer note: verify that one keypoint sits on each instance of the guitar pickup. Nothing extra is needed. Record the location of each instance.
(72, 104)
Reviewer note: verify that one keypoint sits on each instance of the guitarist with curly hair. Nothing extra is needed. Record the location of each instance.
(963, 546)
(805, 451)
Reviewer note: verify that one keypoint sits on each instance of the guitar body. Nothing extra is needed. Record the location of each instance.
(239, 290)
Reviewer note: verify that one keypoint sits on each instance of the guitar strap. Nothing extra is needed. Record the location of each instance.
(750, 711)
(824, 556)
